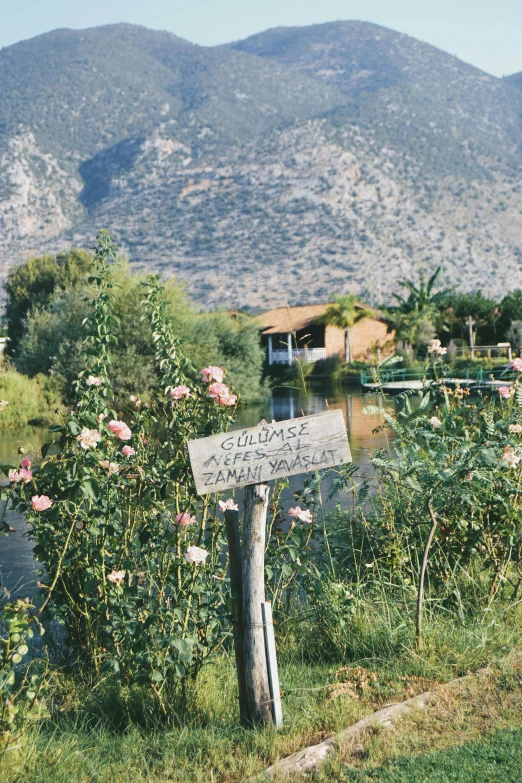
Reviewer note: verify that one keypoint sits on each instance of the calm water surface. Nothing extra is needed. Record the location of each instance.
(17, 566)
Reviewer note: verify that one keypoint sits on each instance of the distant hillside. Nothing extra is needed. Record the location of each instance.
(297, 163)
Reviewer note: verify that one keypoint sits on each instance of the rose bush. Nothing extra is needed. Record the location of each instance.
(134, 561)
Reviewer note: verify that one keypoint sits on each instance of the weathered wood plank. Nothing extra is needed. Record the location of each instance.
(253, 584)
(269, 451)
(271, 662)
(236, 594)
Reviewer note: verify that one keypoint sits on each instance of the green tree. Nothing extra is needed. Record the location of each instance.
(415, 316)
(510, 310)
(32, 285)
(52, 339)
(422, 298)
(456, 310)
(344, 313)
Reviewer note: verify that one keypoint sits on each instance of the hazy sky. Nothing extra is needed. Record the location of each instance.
(486, 33)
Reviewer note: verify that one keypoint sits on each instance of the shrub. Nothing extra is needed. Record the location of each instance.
(133, 558)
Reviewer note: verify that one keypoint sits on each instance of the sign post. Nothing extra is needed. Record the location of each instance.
(250, 458)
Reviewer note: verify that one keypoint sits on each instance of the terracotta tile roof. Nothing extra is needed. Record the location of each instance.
(287, 319)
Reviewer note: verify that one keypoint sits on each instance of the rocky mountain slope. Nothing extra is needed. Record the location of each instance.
(298, 163)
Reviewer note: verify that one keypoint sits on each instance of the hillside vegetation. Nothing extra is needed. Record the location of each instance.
(293, 164)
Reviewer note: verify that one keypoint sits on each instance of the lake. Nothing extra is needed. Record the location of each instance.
(16, 559)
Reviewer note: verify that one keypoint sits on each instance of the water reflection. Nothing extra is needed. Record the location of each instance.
(17, 565)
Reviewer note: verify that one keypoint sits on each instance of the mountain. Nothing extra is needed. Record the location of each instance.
(295, 164)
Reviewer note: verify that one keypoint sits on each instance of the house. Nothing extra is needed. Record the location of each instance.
(314, 341)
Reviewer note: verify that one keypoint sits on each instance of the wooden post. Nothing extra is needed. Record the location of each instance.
(236, 593)
(253, 573)
(470, 327)
(271, 662)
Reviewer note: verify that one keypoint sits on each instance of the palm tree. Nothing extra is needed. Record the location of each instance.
(416, 313)
(344, 313)
(421, 298)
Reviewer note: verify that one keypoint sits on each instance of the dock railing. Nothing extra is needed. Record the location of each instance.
(472, 375)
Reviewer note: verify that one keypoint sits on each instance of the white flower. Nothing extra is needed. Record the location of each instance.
(228, 505)
(195, 554)
(89, 438)
(116, 577)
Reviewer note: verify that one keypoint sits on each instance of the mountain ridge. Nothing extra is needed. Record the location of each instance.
(341, 160)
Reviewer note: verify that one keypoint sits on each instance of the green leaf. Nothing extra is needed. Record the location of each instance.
(73, 427)
(157, 676)
(91, 488)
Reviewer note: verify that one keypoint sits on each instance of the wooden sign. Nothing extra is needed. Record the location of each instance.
(269, 451)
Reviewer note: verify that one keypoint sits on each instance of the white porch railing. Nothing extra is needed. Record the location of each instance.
(310, 355)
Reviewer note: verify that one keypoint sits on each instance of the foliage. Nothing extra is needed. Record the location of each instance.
(413, 319)
(510, 310)
(121, 531)
(455, 310)
(216, 338)
(22, 692)
(32, 285)
(29, 400)
(52, 338)
(514, 336)
(421, 298)
(445, 503)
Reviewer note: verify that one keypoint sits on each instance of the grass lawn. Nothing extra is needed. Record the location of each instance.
(496, 759)
(472, 732)
(97, 738)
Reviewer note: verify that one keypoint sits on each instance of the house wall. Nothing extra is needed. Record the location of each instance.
(334, 341)
(366, 332)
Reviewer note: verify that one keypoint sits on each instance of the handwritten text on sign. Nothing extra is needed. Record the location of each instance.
(269, 451)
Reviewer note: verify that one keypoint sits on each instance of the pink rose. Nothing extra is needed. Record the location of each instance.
(515, 429)
(128, 451)
(506, 392)
(227, 505)
(22, 475)
(179, 392)
(435, 423)
(185, 519)
(110, 466)
(120, 429)
(195, 554)
(516, 364)
(41, 502)
(217, 390)
(26, 463)
(212, 374)
(228, 401)
(300, 513)
(94, 380)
